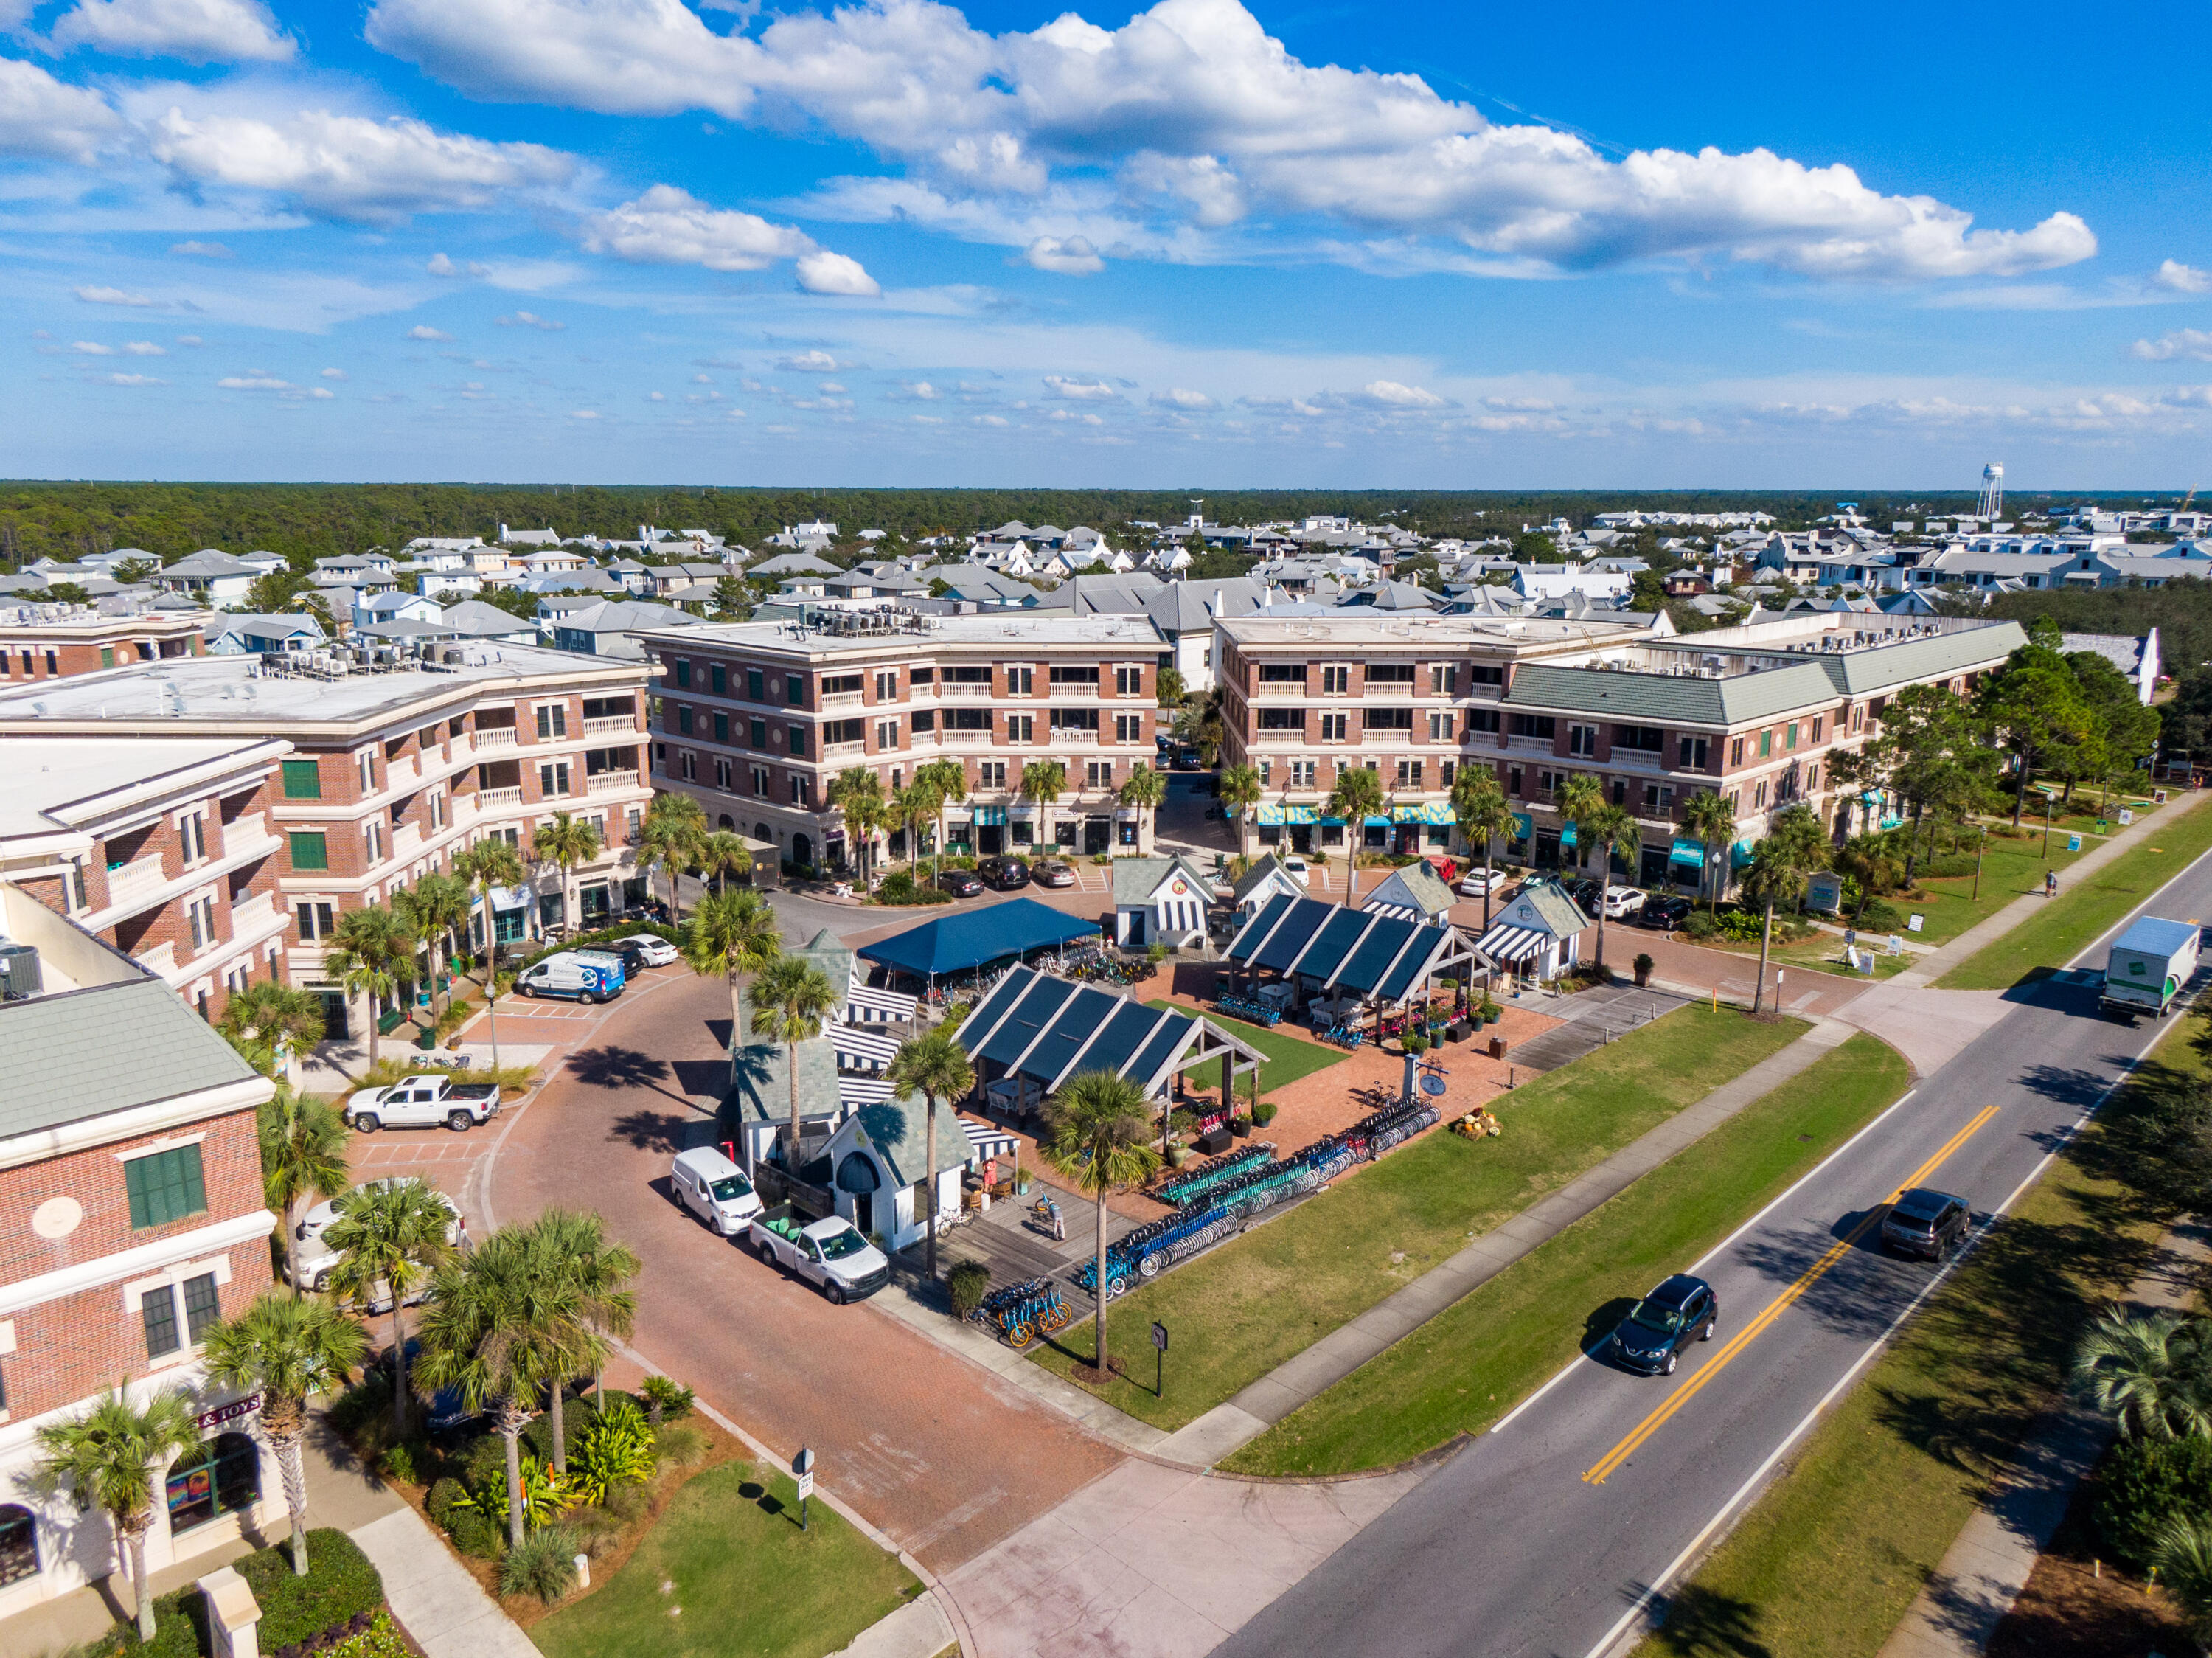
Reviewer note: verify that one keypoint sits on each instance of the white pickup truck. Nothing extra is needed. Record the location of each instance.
(833, 1254)
(424, 1102)
(317, 1257)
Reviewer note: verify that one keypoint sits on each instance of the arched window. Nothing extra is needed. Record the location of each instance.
(857, 1174)
(220, 1476)
(760, 832)
(728, 822)
(19, 1543)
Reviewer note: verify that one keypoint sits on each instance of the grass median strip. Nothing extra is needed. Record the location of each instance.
(1831, 1557)
(2069, 924)
(1465, 1369)
(1236, 1313)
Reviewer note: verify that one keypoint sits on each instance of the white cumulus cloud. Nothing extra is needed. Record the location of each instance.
(1176, 397)
(143, 348)
(131, 380)
(2192, 342)
(530, 319)
(1390, 395)
(92, 348)
(349, 166)
(196, 31)
(203, 250)
(255, 381)
(809, 363)
(1066, 256)
(1083, 390)
(423, 330)
(2183, 278)
(96, 296)
(40, 117)
(1200, 118)
(824, 272)
(336, 374)
(669, 226)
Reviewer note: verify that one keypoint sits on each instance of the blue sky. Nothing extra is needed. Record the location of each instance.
(1204, 243)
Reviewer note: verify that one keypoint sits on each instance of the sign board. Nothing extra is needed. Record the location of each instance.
(230, 1412)
(1913, 924)
(806, 1481)
(2127, 816)
(803, 1464)
(2073, 843)
(1159, 1333)
(1824, 892)
(1862, 962)
(1896, 945)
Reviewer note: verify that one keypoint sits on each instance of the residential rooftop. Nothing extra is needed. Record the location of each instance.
(54, 783)
(872, 629)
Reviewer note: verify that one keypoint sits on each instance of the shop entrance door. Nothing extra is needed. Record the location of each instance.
(1098, 835)
(990, 840)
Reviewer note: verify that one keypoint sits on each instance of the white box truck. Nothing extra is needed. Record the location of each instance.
(2149, 964)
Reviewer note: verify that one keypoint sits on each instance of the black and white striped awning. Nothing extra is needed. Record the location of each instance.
(864, 1005)
(1395, 911)
(862, 1090)
(987, 1139)
(1506, 945)
(861, 1049)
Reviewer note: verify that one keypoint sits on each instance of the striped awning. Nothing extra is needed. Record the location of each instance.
(860, 1049)
(1399, 911)
(864, 1005)
(862, 1090)
(1503, 944)
(987, 1139)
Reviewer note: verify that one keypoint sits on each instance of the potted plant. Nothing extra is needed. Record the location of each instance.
(1263, 1113)
(1241, 1125)
(1643, 965)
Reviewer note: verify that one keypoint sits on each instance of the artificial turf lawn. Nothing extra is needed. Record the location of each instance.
(1288, 1058)
(1473, 1363)
(746, 1581)
(1834, 1553)
(1238, 1312)
(2081, 912)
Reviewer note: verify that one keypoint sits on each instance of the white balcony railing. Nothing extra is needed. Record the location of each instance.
(609, 783)
(981, 692)
(1062, 735)
(503, 736)
(136, 882)
(967, 739)
(251, 915)
(612, 725)
(490, 800)
(406, 840)
(842, 699)
(843, 751)
(161, 959)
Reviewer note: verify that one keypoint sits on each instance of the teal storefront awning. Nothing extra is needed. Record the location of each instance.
(1333, 823)
(1740, 854)
(1692, 852)
(1567, 835)
(1376, 823)
(1277, 816)
(991, 817)
(1524, 825)
(1435, 811)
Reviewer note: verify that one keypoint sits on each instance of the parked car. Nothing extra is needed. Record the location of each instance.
(832, 1253)
(1678, 1311)
(1665, 912)
(317, 1257)
(1479, 881)
(449, 1410)
(1187, 759)
(1926, 1222)
(650, 948)
(1004, 875)
(437, 1101)
(1295, 867)
(1051, 872)
(960, 883)
(710, 1186)
(585, 976)
(1623, 901)
(1585, 895)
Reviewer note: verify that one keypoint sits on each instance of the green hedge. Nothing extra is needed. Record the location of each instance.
(340, 1582)
(2145, 1483)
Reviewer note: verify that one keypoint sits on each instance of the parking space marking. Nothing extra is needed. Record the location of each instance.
(1664, 1412)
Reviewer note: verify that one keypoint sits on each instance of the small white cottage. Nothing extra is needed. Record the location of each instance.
(1414, 893)
(878, 1167)
(1538, 934)
(1160, 900)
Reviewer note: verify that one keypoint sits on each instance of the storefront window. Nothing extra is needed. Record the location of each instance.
(222, 1476)
(19, 1543)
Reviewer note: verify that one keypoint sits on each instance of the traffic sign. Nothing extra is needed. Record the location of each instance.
(805, 1486)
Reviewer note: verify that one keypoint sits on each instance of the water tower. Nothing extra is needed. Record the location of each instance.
(1992, 503)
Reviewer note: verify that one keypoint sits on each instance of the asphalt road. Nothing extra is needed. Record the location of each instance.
(1546, 1535)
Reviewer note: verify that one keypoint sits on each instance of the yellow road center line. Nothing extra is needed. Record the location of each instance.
(1665, 1409)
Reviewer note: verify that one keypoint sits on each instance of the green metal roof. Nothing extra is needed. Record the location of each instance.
(1673, 698)
(1863, 672)
(84, 1053)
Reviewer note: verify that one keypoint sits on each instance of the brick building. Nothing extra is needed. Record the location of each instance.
(52, 642)
(131, 1218)
(1753, 713)
(393, 763)
(757, 719)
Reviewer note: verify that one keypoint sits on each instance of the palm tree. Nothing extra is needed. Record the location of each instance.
(2147, 1373)
(1145, 789)
(725, 853)
(910, 808)
(1357, 797)
(109, 1459)
(1871, 860)
(872, 815)
(435, 908)
(491, 862)
(372, 953)
(269, 1023)
(1483, 813)
(935, 1066)
(390, 1237)
(791, 1002)
(732, 934)
(852, 791)
(1794, 847)
(501, 1329)
(1608, 830)
(288, 1350)
(1581, 797)
(1200, 725)
(671, 838)
(1708, 816)
(565, 842)
(575, 1248)
(948, 780)
(1240, 790)
(1100, 1141)
(2183, 1562)
(303, 1155)
(1044, 782)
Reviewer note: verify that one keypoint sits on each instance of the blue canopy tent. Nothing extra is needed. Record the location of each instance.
(958, 943)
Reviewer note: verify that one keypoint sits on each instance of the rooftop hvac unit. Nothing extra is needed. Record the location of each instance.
(19, 972)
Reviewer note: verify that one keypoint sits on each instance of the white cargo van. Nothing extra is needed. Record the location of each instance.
(714, 1189)
(586, 976)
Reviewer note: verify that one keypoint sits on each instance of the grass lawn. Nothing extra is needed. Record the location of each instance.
(747, 1581)
(1466, 1368)
(1289, 1058)
(1833, 1555)
(1237, 1313)
(2081, 911)
(1822, 953)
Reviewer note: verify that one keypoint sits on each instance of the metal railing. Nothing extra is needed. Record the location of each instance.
(612, 725)
(607, 783)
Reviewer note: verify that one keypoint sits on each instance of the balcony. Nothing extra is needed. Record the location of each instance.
(406, 840)
(982, 692)
(844, 751)
(1074, 736)
(967, 739)
(839, 699)
(503, 736)
(491, 800)
(136, 882)
(611, 783)
(256, 914)
(612, 725)
(161, 959)
(1277, 692)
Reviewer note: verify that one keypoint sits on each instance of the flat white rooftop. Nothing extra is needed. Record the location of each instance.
(993, 628)
(54, 783)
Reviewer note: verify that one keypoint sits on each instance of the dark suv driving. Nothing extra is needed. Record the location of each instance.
(1004, 875)
(1680, 1311)
(1925, 1222)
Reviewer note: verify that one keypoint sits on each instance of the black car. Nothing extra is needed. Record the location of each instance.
(960, 883)
(1665, 914)
(1587, 894)
(1926, 1222)
(1680, 1311)
(1004, 875)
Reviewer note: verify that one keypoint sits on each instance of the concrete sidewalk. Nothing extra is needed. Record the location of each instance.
(1984, 1570)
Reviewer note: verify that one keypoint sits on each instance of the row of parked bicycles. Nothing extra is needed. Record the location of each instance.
(1099, 966)
(1023, 1312)
(1249, 1008)
(1344, 1033)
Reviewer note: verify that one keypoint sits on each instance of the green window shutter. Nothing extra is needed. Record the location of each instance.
(1765, 744)
(164, 1187)
(107, 655)
(308, 849)
(303, 780)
